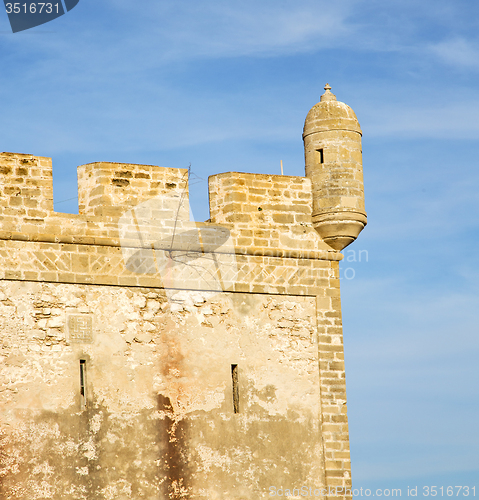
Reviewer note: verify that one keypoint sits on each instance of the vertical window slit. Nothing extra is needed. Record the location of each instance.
(83, 383)
(320, 155)
(234, 377)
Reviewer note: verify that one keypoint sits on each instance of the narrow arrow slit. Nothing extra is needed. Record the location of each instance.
(83, 383)
(234, 376)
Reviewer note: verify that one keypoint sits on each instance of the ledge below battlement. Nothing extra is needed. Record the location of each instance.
(100, 265)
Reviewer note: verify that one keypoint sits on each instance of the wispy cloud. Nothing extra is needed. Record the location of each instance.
(453, 118)
(214, 29)
(153, 33)
(457, 52)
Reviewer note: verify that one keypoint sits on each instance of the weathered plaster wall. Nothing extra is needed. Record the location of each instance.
(159, 417)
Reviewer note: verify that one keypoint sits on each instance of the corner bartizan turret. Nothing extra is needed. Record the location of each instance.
(333, 159)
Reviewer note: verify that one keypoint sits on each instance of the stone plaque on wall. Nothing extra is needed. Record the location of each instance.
(80, 330)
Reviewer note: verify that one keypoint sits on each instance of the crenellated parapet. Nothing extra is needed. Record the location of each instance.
(130, 212)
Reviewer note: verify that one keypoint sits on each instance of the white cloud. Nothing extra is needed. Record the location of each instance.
(457, 52)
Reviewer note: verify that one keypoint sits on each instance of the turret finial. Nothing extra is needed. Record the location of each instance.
(328, 95)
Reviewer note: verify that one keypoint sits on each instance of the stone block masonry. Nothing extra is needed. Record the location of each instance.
(119, 382)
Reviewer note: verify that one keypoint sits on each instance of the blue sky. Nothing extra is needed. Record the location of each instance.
(226, 86)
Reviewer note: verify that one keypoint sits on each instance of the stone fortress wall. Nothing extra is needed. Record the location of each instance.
(148, 356)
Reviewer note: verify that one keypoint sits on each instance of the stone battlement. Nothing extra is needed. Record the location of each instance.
(107, 190)
(124, 207)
